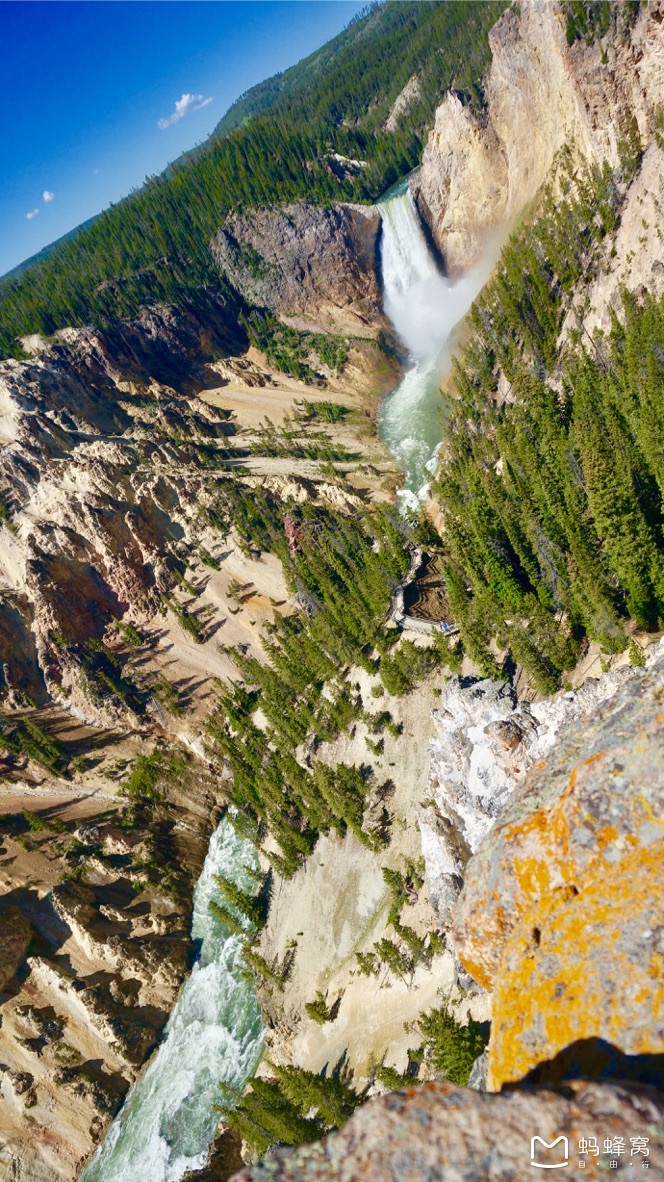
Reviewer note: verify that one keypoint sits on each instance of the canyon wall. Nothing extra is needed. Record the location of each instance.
(561, 915)
(99, 492)
(316, 267)
(562, 910)
(485, 742)
(481, 170)
(90, 963)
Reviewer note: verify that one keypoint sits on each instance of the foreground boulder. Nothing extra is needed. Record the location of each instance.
(562, 911)
(442, 1133)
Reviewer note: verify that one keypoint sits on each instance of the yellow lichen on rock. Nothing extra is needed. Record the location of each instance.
(562, 912)
(576, 969)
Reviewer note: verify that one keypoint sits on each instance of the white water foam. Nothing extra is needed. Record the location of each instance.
(213, 1035)
(424, 308)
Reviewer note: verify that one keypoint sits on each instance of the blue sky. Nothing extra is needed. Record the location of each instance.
(91, 88)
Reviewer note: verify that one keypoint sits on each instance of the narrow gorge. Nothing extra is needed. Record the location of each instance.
(331, 615)
(214, 1036)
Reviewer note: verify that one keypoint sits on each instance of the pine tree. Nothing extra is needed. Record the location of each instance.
(328, 1097)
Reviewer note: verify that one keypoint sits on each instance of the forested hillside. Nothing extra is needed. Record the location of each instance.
(276, 144)
(553, 494)
(344, 570)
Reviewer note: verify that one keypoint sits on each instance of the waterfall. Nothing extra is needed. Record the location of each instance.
(424, 307)
(413, 289)
(213, 1035)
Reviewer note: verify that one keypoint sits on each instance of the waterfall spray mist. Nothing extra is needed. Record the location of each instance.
(424, 307)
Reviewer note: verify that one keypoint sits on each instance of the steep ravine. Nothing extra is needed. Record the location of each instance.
(478, 781)
(116, 445)
(108, 503)
(128, 586)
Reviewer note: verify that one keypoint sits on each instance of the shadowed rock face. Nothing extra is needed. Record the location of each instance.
(303, 261)
(15, 936)
(562, 911)
(442, 1133)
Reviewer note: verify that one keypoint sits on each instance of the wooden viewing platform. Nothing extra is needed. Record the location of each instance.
(420, 603)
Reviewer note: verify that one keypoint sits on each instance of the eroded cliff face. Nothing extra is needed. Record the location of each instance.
(113, 448)
(100, 488)
(95, 912)
(315, 267)
(636, 258)
(480, 172)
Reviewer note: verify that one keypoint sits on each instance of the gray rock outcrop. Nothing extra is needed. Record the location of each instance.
(316, 266)
(443, 1133)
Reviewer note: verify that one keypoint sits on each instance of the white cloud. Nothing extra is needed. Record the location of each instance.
(48, 196)
(188, 102)
(33, 214)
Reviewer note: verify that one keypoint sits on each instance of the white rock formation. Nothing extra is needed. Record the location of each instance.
(410, 93)
(484, 744)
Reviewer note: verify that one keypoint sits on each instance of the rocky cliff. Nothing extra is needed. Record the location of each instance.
(118, 568)
(316, 267)
(480, 171)
(550, 815)
(561, 916)
(562, 907)
(99, 479)
(114, 446)
(95, 913)
(450, 1134)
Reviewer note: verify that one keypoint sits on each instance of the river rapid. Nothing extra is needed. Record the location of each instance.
(214, 1035)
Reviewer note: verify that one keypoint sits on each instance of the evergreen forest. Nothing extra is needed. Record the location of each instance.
(552, 482)
(341, 571)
